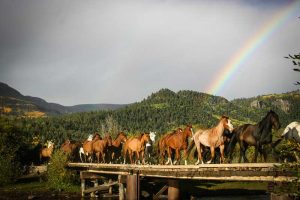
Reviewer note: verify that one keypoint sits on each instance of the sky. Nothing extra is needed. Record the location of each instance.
(105, 51)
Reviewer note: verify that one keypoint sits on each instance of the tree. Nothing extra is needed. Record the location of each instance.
(296, 62)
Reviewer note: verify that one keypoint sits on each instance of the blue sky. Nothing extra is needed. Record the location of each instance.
(73, 52)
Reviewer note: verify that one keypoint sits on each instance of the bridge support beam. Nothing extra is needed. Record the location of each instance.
(133, 187)
(173, 189)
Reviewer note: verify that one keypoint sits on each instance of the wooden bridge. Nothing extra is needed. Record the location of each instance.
(269, 172)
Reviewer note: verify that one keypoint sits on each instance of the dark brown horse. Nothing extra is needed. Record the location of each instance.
(100, 147)
(177, 142)
(136, 145)
(115, 149)
(254, 135)
(212, 138)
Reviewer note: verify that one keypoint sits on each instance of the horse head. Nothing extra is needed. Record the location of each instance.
(274, 120)
(145, 137)
(227, 123)
(188, 131)
(179, 130)
(108, 139)
(97, 137)
(152, 136)
(122, 136)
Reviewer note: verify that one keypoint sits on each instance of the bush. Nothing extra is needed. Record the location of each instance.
(8, 170)
(58, 176)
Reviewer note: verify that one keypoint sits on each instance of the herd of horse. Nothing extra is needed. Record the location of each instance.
(139, 149)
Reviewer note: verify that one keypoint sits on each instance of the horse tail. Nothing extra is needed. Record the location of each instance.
(190, 147)
(231, 145)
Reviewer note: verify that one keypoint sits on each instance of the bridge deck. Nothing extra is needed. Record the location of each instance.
(234, 172)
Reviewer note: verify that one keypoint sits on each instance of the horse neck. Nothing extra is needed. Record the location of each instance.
(220, 128)
(117, 142)
(264, 126)
(142, 141)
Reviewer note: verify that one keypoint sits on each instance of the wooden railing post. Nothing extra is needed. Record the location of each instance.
(173, 189)
(82, 184)
(121, 188)
(132, 187)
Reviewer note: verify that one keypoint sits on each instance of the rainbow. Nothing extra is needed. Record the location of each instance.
(251, 45)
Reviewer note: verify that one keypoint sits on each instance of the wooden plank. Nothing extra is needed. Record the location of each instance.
(100, 187)
(237, 171)
(164, 188)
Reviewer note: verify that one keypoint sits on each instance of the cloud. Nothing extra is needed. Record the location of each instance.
(74, 52)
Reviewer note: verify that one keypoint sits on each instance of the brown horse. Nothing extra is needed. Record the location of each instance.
(137, 145)
(88, 147)
(46, 152)
(70, 148)
(162, 147)
(100, 147)
(116, 147)
(178, 141)
(212, 138)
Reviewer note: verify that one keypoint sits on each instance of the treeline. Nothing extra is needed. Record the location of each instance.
(160, 112)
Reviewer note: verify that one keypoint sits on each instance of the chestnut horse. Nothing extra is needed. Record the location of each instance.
(162, 147)
(46, 152)
(254, 135)
(137, 145)
(212, 138)
(100, 147)
(116, 148)
(87, 147)
(178, 141)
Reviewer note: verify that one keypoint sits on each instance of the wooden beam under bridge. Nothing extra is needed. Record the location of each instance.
(270, 172)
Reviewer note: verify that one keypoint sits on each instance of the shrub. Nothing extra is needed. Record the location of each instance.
(58, 176)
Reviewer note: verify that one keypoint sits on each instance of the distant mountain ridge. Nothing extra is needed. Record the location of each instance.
(13, 102)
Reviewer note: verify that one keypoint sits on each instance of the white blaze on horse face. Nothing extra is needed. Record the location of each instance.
(230, 126)
(152, 136)
(90, 138)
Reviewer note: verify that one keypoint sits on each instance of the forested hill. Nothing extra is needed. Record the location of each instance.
(12, 102)
(165, 110)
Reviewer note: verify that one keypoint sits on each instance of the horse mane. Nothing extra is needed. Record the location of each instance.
(264, 126)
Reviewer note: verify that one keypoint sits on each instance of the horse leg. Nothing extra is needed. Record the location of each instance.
(256, 153)
(137, 159)
(198, 147)
(143, 157)
(243, 148)
(222, 147)
(169, 156)
(130, 156)
(262, 151)
(212, 153)
(177, 156)
(185, 156)
(98, 156)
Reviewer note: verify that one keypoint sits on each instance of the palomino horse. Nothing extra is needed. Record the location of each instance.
(178, 141)
(212, 138)
(162, 148)
(100, 147)
(116, 147)
(254, 135)
(87, 148)
(46, 152)
(137, 145)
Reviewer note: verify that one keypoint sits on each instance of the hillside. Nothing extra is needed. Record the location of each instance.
(12, 102)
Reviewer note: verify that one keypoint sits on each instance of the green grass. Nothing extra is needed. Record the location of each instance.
(36, 187)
